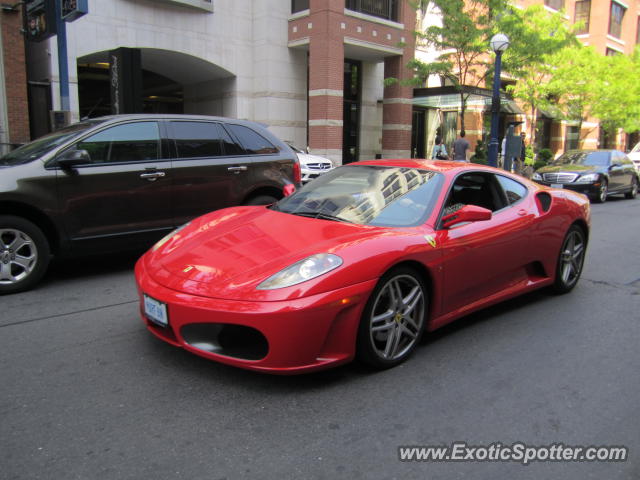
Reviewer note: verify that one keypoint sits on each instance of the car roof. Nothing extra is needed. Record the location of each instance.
(170, 116)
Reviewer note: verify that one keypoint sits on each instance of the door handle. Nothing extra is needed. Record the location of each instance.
(236, 170)
(152, 176)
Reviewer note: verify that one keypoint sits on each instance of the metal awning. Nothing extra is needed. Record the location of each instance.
(445, 98)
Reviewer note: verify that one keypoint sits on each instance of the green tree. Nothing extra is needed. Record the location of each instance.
(579, 80)
(619, 99)
(463, 38)
(536, 35)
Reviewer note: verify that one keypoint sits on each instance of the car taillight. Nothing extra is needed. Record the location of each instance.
(297, 173)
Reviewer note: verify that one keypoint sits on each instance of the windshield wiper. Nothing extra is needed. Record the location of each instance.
(321, 215)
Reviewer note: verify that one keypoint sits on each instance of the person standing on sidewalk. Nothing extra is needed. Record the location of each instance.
(461, 148)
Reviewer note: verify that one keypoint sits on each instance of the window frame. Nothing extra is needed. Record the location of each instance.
(618, 30)
(586, 5)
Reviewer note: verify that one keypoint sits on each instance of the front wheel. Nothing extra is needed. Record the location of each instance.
(633, 191)
(24, 254)
(393, 320)
(570, 260)
(603, 191)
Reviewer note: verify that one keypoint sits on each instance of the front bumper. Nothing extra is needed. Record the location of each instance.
(302, 335)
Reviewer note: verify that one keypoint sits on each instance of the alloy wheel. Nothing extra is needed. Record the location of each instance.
(18, 256)
(571, 258)
(602, 193)
(397, 317)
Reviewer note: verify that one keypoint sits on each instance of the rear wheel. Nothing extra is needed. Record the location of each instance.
(601, 196)
(261, 200)
(393, 320)
(570, 260)
(633, 191)
(24, 254)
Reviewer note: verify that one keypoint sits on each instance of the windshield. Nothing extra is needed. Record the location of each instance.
(636, 149)
(367, 195)
(583, 158)
(33, 150)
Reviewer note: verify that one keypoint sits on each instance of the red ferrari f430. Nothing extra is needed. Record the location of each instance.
(360, 262)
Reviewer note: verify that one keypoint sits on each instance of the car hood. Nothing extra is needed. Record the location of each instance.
(581, 169)
(227, 253)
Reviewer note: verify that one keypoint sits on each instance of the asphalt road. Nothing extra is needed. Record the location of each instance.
(87, 393)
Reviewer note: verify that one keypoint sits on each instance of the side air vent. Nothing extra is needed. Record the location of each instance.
(544, 201)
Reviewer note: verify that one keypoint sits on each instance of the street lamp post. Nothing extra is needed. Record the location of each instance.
(499, 43)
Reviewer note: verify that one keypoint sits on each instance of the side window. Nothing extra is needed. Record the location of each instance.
(473, 189)
(252, 142)
(512, 189)
(130, 142)
(197, 139)
(230, 147)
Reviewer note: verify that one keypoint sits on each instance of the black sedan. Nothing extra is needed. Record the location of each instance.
(596, 173)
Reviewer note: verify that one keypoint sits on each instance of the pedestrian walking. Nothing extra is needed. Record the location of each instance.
(461, 148)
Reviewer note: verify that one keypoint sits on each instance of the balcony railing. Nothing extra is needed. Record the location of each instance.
(387, 9)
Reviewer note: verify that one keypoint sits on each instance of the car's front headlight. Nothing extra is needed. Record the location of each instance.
(537, 176)
(589, 178)
(167, 237)
(310, 267)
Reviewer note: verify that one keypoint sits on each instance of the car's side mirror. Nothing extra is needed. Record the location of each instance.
(69, 159)
(468, 213)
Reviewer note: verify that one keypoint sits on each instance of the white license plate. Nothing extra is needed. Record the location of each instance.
(557, 185)
(156, 311)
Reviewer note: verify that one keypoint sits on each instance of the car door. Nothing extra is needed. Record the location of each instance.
(484, 258)
(209, 170)
(120, 197)
(617, 174)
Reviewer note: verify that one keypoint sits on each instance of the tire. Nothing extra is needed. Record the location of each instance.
(261, 200)
(392, 324)
(601, 196)
(570, 260)
(633, 191)
(24, 254)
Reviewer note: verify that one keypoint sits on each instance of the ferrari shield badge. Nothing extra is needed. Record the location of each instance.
(430, 240)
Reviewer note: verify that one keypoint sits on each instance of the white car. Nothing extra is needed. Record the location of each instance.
(312, 166)
(634, 156)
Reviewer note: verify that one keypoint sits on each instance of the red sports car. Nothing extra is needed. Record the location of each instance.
(359, 263)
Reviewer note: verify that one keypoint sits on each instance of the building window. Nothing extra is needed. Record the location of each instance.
(387, 9)
(299, 5)
(638, 31)
(572, 139)
(555, 4)
(615, 19)
(583, 9)
(610, 52)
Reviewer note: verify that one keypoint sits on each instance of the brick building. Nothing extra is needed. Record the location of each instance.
(14, 110)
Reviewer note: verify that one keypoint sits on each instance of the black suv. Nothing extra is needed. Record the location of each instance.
(121, 182)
